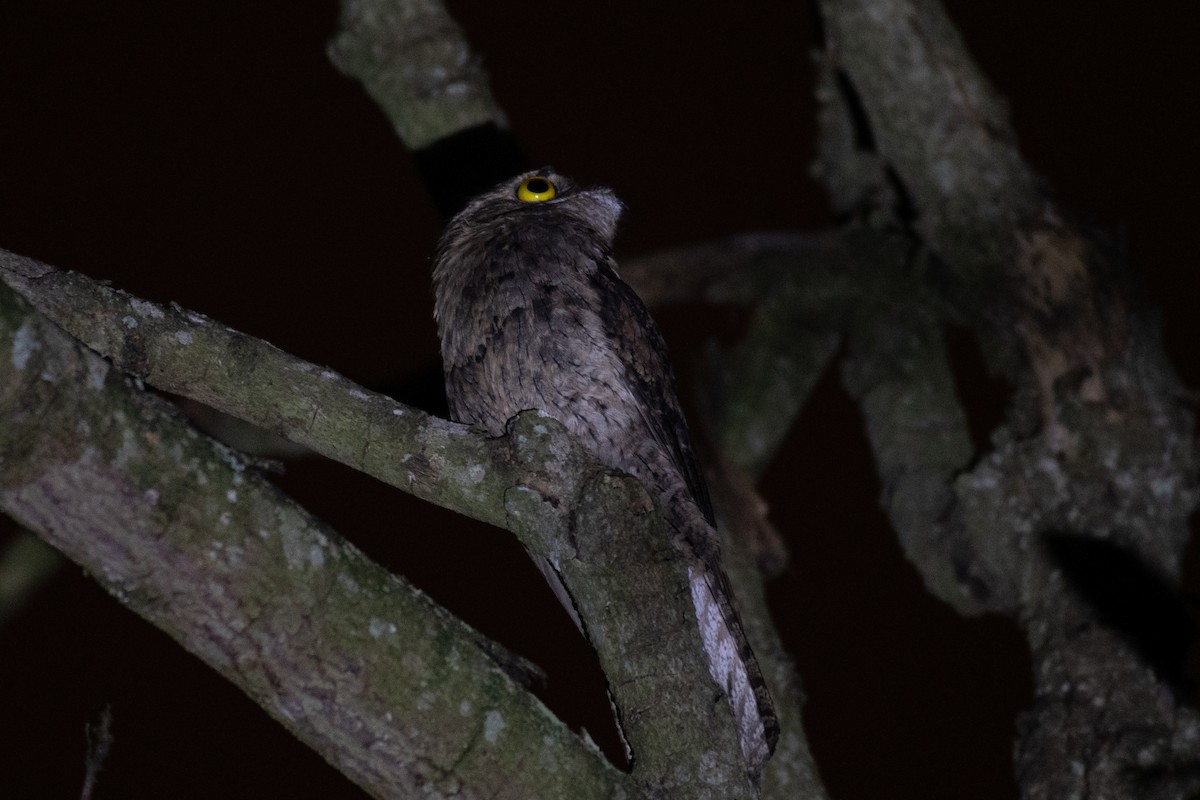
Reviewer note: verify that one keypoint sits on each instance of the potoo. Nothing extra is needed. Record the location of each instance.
(532, 315)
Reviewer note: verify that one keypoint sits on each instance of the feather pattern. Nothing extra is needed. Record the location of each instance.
(532, 314)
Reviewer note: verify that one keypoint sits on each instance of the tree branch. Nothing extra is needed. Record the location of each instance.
(1095, 443)
(541, 483)
(413, 60)
(936, 121)
(387, 686)
(188, 354)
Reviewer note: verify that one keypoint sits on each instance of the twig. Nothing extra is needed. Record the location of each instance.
(99, 743)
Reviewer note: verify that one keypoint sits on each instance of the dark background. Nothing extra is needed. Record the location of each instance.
(209, 154)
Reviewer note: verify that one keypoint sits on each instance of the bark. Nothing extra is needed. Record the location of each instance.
(411, 57)
(384, 684)
(1096, 455)
(601, 530)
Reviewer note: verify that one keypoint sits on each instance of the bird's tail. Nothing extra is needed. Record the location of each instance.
(733, 665)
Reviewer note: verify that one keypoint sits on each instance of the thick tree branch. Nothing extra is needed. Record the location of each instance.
(411, 57)
(542, 484)
(186, 353)
(1095, 447)
(387, 686)
(628, 583)
(936, 121)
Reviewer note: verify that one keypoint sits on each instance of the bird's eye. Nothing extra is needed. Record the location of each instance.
(535, 189)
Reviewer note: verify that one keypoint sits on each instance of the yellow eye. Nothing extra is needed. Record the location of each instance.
(535, 189)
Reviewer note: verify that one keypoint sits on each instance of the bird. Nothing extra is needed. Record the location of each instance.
(532, 314)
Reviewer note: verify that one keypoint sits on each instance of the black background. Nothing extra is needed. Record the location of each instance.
(209, 154)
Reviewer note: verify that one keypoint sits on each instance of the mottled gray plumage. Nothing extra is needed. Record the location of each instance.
(532, 315)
